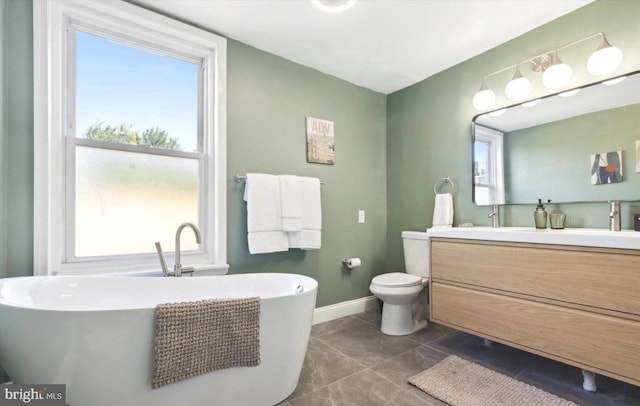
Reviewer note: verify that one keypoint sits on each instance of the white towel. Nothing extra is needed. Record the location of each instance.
(264, 214)
(443, 211)
(290, 199)
(310, 236)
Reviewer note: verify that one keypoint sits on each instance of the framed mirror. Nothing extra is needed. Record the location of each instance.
(580, 145)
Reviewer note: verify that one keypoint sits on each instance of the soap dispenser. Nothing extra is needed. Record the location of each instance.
(540, 215)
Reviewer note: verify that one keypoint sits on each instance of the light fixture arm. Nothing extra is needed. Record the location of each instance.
(549, 54)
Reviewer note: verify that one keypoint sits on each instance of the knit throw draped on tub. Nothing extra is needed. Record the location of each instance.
(194, 338)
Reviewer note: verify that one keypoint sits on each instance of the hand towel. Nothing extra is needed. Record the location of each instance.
(194, 338)
(310, 236)
(264, 214)
(290, 200)
(443, 211)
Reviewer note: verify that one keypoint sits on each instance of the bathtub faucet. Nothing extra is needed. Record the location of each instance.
(178, 268)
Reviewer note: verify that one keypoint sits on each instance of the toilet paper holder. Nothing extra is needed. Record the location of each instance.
(351, 262)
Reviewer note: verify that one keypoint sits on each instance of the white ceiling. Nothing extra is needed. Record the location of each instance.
(382, 45)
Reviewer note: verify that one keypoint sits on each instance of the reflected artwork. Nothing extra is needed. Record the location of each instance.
(606, 168)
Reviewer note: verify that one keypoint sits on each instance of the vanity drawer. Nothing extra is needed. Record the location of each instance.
(602, 278)
(592, 341)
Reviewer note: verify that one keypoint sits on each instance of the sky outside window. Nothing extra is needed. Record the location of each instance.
(118, 84)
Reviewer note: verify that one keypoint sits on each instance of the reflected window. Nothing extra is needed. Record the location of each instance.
(488, 167)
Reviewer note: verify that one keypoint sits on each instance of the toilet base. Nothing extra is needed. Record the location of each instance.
(397, 320)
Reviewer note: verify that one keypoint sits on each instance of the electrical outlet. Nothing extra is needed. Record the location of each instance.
(361, 216)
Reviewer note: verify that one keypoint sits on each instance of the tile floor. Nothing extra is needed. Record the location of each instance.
(350, 362)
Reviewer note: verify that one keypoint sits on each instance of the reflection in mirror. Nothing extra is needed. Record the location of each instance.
(544, 150)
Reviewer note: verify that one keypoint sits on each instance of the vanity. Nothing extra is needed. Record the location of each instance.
(571, 295)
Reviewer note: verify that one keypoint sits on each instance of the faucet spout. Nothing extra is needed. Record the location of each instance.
(495, 216)
(178, 268)
(614, 215)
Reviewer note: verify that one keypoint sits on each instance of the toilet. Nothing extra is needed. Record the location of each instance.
(404, 294)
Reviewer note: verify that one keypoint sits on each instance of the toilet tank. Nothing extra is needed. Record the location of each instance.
(416, 253)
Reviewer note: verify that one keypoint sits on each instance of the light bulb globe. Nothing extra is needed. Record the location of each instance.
(556, 76)
(604, 60)
(518, 88)
(484, 99)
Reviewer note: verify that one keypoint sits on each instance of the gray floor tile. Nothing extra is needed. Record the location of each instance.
(322, 366)
(363, 388)
(336, 325)
(401, 367)
(367, 345)
(351, 362)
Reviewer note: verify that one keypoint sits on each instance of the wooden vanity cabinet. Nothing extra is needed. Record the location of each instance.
(577, 305)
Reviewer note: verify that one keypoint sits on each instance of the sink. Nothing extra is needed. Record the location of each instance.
(589, 237)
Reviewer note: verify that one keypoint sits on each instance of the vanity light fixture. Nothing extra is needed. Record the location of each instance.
(555, 73)
(333, 6)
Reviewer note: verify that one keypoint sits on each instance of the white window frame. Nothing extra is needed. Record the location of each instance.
(495, 164)
(51, 121)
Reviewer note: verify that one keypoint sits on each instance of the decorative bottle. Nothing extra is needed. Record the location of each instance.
(540, 215)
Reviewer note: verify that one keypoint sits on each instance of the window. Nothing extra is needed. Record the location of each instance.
(130, 141)
(488, 167)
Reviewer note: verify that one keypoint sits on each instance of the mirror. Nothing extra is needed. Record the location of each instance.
(557, 149)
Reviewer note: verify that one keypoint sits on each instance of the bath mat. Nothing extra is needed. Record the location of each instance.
(462, 383)
(194, 338)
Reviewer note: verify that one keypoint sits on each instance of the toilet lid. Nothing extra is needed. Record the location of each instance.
(397, 279)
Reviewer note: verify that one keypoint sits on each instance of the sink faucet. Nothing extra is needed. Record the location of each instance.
(614, 215)
(178, 268)
(495, 216)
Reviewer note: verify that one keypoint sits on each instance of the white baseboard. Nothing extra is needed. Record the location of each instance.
(343, 309)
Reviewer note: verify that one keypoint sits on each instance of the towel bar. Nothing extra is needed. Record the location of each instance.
(242, 178)
(443, 181)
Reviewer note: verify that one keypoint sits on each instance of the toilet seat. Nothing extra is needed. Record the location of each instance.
(397, 280)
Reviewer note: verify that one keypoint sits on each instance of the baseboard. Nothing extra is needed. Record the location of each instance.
(343, 309)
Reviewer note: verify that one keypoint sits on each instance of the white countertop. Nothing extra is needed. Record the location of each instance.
(588, 237)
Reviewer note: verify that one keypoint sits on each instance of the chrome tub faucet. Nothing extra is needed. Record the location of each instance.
(178, 268)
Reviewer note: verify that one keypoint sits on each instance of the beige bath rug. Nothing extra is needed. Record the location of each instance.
(463, 383)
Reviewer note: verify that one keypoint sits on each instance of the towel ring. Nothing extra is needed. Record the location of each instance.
(444, 181)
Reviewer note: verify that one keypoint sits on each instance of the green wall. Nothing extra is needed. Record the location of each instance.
(269, 98)
(428, 124)
(552, 161)
(17, 138)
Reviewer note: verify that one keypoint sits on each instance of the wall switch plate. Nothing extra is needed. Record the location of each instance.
(360, 216)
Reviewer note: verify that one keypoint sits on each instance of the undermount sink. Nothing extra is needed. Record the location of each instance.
(590, 237)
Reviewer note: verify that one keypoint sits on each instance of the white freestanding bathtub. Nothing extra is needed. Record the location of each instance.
(96, 335)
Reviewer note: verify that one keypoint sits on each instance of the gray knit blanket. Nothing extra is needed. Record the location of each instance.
(194, 338)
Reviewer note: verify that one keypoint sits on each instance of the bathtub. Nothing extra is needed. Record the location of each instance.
(95, 334)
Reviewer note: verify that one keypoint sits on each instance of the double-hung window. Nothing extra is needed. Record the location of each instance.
(129, 138)
(488, 166)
